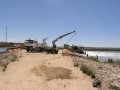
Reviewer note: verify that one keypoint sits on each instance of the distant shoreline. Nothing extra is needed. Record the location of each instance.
(100, 49)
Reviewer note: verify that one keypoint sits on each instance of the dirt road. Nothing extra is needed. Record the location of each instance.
(19, 75)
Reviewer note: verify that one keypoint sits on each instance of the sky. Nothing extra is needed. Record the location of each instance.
(96, 22)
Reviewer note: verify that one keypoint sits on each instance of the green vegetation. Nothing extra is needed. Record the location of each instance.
(6, 44)
(101, 49)
(93, 58)
(14, 57)
(110, 61)
(114, 87)
(87, 71)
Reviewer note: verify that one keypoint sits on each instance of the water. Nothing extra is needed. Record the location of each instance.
(105, 55)
(3, 50)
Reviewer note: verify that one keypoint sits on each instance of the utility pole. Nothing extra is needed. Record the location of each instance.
(6, 35)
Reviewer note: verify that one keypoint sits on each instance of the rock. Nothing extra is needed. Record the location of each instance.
(100, 67)
(96, 83)
(4, 64)
(64, 85)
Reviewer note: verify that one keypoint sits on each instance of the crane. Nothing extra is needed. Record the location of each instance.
(44, 41)
(54, 41)
(32, 45)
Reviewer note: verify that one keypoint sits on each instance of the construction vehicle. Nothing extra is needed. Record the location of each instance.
(44, 41)
(32, 45)
(54, 48)
(74, 48)
(77, 49)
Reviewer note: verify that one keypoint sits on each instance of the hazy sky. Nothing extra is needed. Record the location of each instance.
(97, 22)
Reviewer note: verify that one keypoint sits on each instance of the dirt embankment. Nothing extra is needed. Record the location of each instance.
(8, 57)
(41, 71)
(107, 73)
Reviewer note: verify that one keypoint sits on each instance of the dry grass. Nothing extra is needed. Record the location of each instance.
(6, 58)
(14, 57)
(114, 87)
(85, 69)
(52, 72)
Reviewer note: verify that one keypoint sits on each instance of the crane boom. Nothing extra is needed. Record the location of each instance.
(53, 42)
(44, 40)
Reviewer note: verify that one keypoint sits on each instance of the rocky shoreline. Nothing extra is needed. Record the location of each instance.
(6, 58)
(108, 74)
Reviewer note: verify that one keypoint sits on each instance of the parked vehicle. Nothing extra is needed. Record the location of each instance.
(33, 45)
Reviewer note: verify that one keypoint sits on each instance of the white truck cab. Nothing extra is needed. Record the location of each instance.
(31, 45)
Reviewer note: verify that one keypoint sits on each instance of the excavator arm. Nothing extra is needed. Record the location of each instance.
(53, 42)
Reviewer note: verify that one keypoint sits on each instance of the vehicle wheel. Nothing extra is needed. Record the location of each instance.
(56, 52)
(35, 49)
(48, 52)
(27, 50)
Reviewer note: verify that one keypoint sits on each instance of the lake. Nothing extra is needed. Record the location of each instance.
(105, 55)
(3, 50)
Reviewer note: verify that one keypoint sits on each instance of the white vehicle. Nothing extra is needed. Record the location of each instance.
(31, 45)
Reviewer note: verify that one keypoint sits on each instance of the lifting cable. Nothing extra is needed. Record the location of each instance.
(71, 38)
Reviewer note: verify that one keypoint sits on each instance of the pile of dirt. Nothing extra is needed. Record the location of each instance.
(52, 72)
(66, 52)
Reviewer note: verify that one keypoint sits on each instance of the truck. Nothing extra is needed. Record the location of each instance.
(31, 45)
(34, 46)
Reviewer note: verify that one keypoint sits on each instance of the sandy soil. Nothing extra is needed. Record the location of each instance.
(19, 75)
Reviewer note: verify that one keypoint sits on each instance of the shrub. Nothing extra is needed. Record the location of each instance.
(93, 58)
(87, 71)
(76, 64)
(114, 87)
(14, 57)
(93, 76)
(110, 61)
